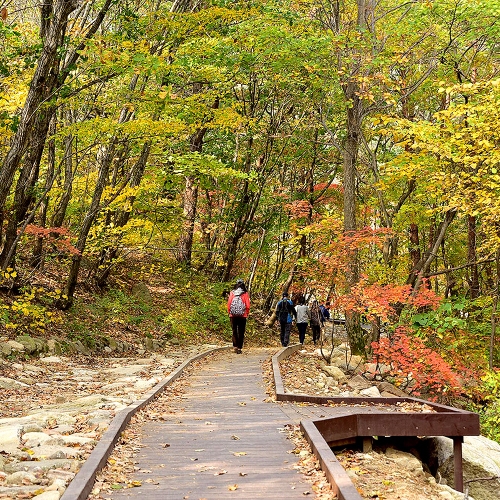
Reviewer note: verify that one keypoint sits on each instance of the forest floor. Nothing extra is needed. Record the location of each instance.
(375, 475)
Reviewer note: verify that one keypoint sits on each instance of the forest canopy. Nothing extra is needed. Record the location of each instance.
(347, 151)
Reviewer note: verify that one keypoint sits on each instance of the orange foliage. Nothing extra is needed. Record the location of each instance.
(415, 367)
(58, 236)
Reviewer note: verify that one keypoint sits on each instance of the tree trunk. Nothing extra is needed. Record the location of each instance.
(422, 267)
(41, 88)
(255, 262)
(415, 255)
(24, 191)
(37, 257)
(122, 217)
(494, 310)
(356, 336)
(69, 174)
(104, 159)
(472, 258)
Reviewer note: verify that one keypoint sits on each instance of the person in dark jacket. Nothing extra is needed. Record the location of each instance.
(316, 321)
(238, 308)
(285, 313)
(325, 312)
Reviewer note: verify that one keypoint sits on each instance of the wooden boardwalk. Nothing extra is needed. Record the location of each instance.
(225, 441)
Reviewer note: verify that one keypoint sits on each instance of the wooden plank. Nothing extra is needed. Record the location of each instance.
(221, 434)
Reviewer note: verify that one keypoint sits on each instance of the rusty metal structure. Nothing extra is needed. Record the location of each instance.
(363, 418)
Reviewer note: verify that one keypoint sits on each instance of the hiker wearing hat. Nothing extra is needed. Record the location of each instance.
(285, 313)
(238, 307)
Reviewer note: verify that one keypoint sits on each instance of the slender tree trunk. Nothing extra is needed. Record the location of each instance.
(494, 310)
(256, 261)
(122, 217)
(416, 277)
(472, 258)
(69, 174)
(356, 336)
(37, 257)
(415, 255)
(24, 191)
(190, 201)
(104, 159)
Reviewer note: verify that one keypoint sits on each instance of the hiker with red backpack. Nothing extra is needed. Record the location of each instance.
(238, 307)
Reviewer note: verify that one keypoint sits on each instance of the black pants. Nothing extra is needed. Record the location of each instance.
(302, 327)
(316, 331)
(285, 329)
(238, 324)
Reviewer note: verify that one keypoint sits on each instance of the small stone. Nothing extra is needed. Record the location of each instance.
(51, 359)
(334, 372)
(22, 477)
(9, 383)
(371, 392)
(359, 382)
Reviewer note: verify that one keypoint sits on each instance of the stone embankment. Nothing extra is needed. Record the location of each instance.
(55, 408)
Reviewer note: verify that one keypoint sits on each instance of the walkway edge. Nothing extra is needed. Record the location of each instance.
(336, 475)
(338, 478)
(82, 484)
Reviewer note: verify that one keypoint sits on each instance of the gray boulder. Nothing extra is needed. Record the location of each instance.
(9, 383)
(358, 382)
(481, 458)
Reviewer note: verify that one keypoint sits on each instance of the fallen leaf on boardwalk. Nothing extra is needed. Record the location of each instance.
(239, 453)
(306, 492)
(235, 437)
(243, 474)
(165, 445)
(233, 487)
(152, 481)
(134, 484)
(242, 403)
(220, 473)
(194, 459)
(201, 449)
(209, 423)
(205, 468)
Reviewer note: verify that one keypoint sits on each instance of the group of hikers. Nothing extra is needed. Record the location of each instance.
(315, 315)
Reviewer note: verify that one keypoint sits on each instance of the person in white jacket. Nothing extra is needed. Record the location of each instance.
(303, 318)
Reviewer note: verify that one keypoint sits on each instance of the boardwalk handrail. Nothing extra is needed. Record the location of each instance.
(446, 421)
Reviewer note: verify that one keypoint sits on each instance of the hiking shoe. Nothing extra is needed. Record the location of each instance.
(238, 351)
(235, 349)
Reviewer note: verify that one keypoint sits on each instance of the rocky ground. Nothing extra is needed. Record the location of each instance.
(54, 410)
(385, 473)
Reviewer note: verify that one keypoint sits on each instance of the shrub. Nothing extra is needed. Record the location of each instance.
(415, 367)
